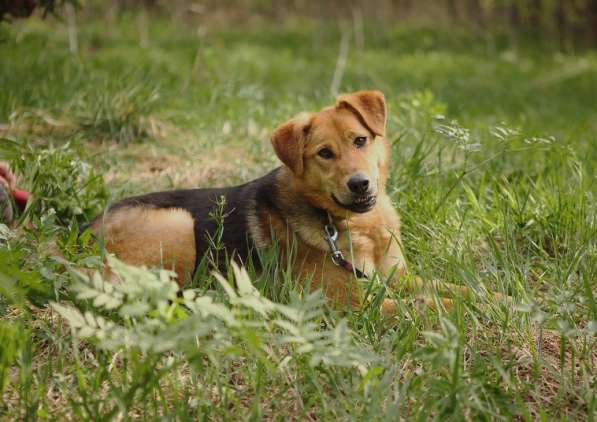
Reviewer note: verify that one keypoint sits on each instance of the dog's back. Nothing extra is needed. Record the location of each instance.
(174, 229)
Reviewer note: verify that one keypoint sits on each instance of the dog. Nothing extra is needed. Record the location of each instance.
(326, 207)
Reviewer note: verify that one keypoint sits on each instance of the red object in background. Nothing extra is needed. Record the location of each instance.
(21, 197)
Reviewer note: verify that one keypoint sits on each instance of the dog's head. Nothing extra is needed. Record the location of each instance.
(338, 156)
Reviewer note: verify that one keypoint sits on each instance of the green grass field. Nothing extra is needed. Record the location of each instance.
(494, 175)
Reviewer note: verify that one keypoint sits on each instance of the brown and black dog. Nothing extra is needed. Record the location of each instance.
(336, 164)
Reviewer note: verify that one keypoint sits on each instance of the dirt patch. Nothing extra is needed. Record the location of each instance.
(552, 372)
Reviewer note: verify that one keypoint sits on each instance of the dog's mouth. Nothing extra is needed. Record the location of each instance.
(360, 204)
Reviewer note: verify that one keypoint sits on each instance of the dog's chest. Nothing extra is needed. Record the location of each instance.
(363, 249)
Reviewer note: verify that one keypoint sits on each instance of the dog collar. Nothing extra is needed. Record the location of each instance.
(331, 236)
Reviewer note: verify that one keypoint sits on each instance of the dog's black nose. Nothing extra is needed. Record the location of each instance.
(358, 184)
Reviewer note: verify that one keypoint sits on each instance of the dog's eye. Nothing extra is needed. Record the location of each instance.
(360, 141)
(325, 153)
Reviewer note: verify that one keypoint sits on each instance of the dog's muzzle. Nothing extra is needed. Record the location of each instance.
(360, 204)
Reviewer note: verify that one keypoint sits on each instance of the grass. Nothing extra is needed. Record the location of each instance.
(494, 177)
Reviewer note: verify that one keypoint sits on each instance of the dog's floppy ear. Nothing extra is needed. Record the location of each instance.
(370, 107)
(289, 142)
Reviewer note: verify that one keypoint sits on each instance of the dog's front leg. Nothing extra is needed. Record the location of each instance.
(431, 293)
(393, 262)
(390, 307)
(417, 284)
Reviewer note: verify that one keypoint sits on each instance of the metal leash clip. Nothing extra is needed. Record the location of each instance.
(331, 236)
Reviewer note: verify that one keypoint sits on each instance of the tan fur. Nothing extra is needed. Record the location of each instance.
(307, 182)
(284, 141)
(370, 106)
(371, 241)
(151, 237)
(258, 230)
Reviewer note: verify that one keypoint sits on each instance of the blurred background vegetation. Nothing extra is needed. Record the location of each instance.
(569, 23)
